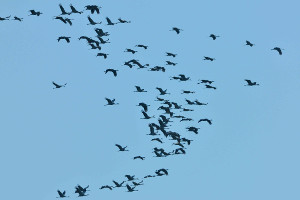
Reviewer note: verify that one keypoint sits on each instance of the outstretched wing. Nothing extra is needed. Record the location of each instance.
(62, 9)
(55, 84)
(119, 146)
(108, 20)
(248, 81)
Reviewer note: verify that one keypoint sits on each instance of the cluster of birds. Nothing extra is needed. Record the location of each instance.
(171, 111)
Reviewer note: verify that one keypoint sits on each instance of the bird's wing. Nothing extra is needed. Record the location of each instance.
(62, 8)
(56, 85)
(119, 146)
(108, 20)
(248, 81)
(90, 20)
(60, 193)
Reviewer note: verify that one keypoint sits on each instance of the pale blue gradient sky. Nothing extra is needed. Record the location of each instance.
(56, 139)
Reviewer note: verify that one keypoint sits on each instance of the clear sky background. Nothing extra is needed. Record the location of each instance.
(56, 139)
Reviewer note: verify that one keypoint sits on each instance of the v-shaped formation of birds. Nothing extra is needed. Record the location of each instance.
(169, 108)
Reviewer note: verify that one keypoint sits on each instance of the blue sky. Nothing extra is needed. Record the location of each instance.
(56, 139)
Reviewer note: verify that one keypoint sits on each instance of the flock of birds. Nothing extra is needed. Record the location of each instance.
(169, 109)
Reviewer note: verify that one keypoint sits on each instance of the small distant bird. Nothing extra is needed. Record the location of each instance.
(69, 21)
(146, 116)
(81, 191)
(63, 11)
(210, 87)
(4, 18)
(137, 184)
(57, 85)
(73, 10)
(193, 129)
(162, 92)
(209, 121)
(186, 140)
(144, 106)
(128, 64)
(113, 71)
(17, 19)
(93, 9)
(171, 63)
(139, 89)
(142, 46)
(139, 157)
(209, 58)
(130, 178)
(61, 194)
(102, 54)
(199, 103)
(118, 184)
(157, 139)
(279, 50)
(110, 102)
(171, 54)
(187, 92)
(177, 30)
(130, 189)
(206, 81)
(123, 21)
(149, 176)
(102, 41)
(92, 22)
(130, 51)
(95, 46)
(109, 22)
(250, 83)
(106, 186)
(100, 32)
(249, 43)
(213, 36)
(64, 38)
(121, 148)
(33, 12)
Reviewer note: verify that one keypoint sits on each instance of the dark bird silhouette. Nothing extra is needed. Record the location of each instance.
(130, 178)
(137, 184)
(33, 12)
(186, 140)
(139, 89)
(210, 87)
(149, 176)
(157, 139)
(113, 71)
(100, 32)
(157, 68)
(249, 43)
(64, 38)
(63, 11)
(171, 63)
(4, 18)
(209, 58)
(144, 106)
(142, 46)
(209, 121)
(92, 22)
(187, 92)
(123, 21)
(109, 22)
(17, 19)
(61, 19)
(171, 54)
(57, 85)
(61, 194)
(193, 129)
(279, 50)
(165, 171)
(69, 21)
(190, 102)
(199, 103)
(121, 148)
(162, 92)
(93, 9)
(250, 83)
(139, 157)
(177, 30)
(146, 116)
(213, 36)
(179, 151)
(73, 10)
(81, 191)
(130, 189)
(118, 184)
(102, 54)
(186, 119)
(102, 41)
(130, 51)
(186, 110)
(206, 81)
(93, 46)
(128, 64)
(110, 102)
(106, 186)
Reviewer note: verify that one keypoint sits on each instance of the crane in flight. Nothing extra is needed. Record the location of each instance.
(250, 83)
(57, 85)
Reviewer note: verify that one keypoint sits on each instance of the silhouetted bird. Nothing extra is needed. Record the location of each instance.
(95, 46)
(209, 121)
(142, 46)
(164, 171)
(69, 21)
(17, 19)
(157, 139)
(130, 51)
(4, 18)
(63, 12)
(102, 41)
(93, 9)
(118, 184)
(112, 70)
(279, 50)
(179, 151)
(162, 92)
(137, 184)
(109, 22)
(149, 176)
(249, 43)
(57, 85)
(100, 32)
(171, 54)
(130, 178)
(110, 102)
(209, 58)
(73, 10)
(92, 22)
(61, 194)
(121, 148)
(193, 129)
(171, 63)
(146, 116)
(102, 54)
(130, 189)
(128, 64)
(186, 119)
(106, 186)
(144, 106)
(213, 36)
(250, 83)
(139, 89)
(139, 157)
(186, 140)
(33, 12)
(177, 30)
(64, 38)
(207, 81)
(199, 103)
(187, 92)
(81, 191)
(210, 87)
(123, 21)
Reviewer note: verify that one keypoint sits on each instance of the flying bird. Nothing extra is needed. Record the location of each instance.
(92, 22)
(93, 9)
(106, 186)
(110, 102)
(142, 46)
(64, 38)
(279, 50)
(73, 10)
(130, 189)
(250, 83)
(4, 18)
(102, 54)
(210, 87)
(213, 36)
(209, 121)
(171, 54)
(249, 43)
(118, 184)
(109, 22)
(144, 106)
(209, 58)
(63, 11)
(121, 148)
(33, 12)
(139, 89)
(61, 194)
(113, 71)
(17, 19)
(138, 157)
(162, 92)
(177, 30)
(57, 85)
(130, 51)
(123, 21)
